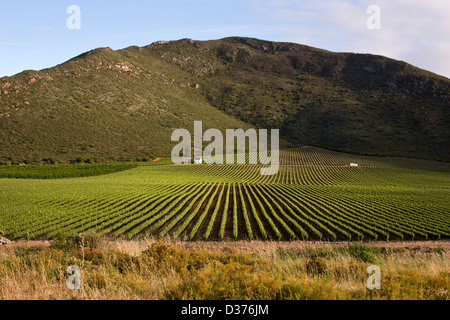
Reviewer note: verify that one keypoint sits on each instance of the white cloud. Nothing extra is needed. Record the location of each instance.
(415, 31)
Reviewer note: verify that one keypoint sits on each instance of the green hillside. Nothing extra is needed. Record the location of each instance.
(119, 105)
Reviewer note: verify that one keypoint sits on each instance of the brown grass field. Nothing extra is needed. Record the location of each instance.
(172, 269)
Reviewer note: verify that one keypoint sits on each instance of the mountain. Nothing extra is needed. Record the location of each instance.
(118, 105)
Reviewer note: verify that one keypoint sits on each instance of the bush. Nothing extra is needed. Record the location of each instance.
(364, 253)
(368, 257)
(169, 257)
(79, 241)
(317, 266)
(59, 241)
(321, 253)
(49, 161)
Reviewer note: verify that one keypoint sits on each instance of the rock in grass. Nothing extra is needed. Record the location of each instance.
(4, 241)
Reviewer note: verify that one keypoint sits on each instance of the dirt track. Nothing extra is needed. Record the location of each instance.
(252, 246)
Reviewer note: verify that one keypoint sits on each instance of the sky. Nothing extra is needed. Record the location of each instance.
(35, 34)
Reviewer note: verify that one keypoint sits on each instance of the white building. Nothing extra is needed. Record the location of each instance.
(198, 160)
(354, 165)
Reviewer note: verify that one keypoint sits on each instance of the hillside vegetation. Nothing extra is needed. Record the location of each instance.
(124, 105)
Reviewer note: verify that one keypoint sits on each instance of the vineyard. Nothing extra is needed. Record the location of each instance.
(62, 171)
(316, 195)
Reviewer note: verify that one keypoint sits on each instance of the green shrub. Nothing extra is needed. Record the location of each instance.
(368, 257)
(59, 241)
(364, 253)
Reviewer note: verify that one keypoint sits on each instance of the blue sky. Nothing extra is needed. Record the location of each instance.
(34, 34)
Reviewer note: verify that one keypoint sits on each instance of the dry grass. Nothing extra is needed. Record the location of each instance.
(150, 269)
